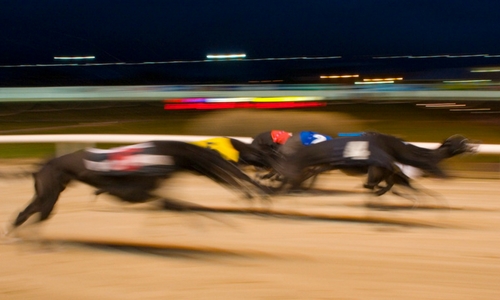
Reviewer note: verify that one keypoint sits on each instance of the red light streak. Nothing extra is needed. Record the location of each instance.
(232, 105)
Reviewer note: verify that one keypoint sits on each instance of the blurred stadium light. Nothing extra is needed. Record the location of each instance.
(74, 57)
(226, 56)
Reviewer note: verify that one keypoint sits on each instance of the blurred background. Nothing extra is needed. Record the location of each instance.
(218, 69)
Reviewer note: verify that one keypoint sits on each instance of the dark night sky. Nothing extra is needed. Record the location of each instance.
(35, 31)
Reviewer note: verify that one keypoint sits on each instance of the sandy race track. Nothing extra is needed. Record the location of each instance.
(323, 244)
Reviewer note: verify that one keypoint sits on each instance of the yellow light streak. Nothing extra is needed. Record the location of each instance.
(286, 99)
(383, 79)
(338, 76)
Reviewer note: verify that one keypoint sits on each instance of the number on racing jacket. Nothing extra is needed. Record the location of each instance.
(357, 150)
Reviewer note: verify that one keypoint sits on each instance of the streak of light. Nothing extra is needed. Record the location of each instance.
(383, 79)
(470, 109)
(484, 70)
(440, 105)
(374, 82)
(265, 81)
(245, 99)
(467, 55)
(338, 76)
(287, 99)
(426, 56)
(74, 57)
(436, 56)
(233, 105)
(224, 100)
(389, 57)
(467, 81)
(296, 58)
(164, 62)
(226, 56)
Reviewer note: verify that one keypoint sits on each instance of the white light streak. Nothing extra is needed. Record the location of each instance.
(162, 62)
(427, 56)
(74, 57)
(389, 57)
(485, 70)
(437, 56)
(226, 56)
(223, 100)
(374, 82)
(467, 55)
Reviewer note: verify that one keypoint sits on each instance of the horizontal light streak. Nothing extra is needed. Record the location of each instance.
(266, 81)
(245, 99)
(226, 56)
(74, 57)
(236, 99)
(383, 79)
(338, 76)
(440, 105)
(470, 109)
(234, 105)
(467, 55)
(485, 70)
(287, 99)
(243, 102)
(295, 58)
(467, 81)
(436, 56)
(374, 82)
(166, 62)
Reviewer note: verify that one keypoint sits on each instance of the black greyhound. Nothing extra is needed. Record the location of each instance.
(123, 172)
(355, 155)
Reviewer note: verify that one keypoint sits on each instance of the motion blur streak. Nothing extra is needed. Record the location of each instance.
(246, 99)
(225, 56)
(374, 82)
(383, 79)
(74, 57)
(267, 105)
(338, 76)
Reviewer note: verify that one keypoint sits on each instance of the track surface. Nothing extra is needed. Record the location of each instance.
(323, 244)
